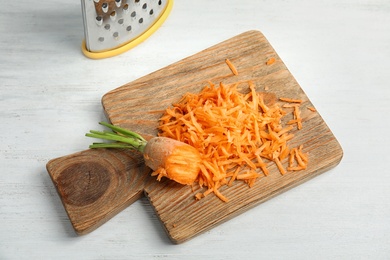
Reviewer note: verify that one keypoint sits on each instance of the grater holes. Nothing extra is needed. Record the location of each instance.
(113, 15)
(99, 20)
(123, 23)
(105, 7)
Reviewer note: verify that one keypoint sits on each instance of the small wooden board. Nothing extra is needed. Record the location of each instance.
(94, 185)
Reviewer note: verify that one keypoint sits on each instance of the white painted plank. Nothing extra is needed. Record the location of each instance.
(50, 96)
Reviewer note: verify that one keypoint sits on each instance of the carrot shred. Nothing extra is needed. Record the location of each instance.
(290, 100)
(270, 61)
(220, 196)
(297, 115)
(231, 67)
(290, 105)
(299, 159)
(291, 158)
(237, 134)
(198, 196)
(302, 155)
(280, 166)
(296, 168)
(207, 192)
(295, 104)
(312, 109)
(297, 156)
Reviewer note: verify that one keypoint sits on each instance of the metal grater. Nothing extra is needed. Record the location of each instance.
(114, 26)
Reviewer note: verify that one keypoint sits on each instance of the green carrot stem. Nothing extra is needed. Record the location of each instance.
(123, 138)
(122, 131)
(111, 145)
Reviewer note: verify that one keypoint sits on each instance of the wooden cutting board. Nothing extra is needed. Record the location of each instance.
(94, 185)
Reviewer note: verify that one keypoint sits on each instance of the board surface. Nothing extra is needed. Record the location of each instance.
(94, 185)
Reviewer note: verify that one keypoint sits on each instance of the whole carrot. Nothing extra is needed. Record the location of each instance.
(165, 156)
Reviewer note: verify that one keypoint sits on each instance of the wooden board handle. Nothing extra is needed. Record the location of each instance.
(95, 185)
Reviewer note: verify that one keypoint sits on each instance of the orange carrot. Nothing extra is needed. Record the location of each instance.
(233, 131)
(172, 159)
(216, 137)
(270, 61)
(291, 158)
(297, 115)
(198, 196)
(231, 67)
(296, 155)
(167, 157)
(280, 166)
(290, 105)
(302, 155)
(290, 100)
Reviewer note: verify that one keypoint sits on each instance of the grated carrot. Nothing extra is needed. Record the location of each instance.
(290, 100)
(198, 196)
(236, 133)
(297, 156)
(296, 113)
(312, 109)
(231, 67)
(303, 155)
(280, 166)
(290, 105)
(270, 61)
(297, 116)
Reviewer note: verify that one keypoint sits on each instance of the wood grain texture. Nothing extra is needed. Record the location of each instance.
(138, 106)
(94, 185)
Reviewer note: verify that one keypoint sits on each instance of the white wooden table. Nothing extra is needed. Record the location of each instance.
(339, 52)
